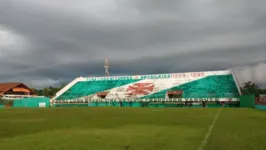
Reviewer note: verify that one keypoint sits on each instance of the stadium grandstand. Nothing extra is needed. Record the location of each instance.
(191, 88)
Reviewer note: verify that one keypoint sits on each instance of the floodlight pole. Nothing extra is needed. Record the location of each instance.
(106, 66)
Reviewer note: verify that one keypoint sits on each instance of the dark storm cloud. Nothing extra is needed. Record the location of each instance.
(199, 61)
(65, 40)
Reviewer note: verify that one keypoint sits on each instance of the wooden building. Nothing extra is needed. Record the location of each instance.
(15, 90)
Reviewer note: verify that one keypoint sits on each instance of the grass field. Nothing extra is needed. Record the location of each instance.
(132, 129)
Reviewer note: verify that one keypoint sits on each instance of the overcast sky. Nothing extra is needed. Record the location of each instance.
(47, 42)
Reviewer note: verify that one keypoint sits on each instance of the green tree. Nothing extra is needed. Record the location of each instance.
(251, 88)
(263, 91)
(48, 91)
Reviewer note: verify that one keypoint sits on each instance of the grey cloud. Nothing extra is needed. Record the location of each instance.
(200, 61)
(139, 37)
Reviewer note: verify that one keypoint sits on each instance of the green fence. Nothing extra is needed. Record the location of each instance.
(4, 103)
(260, 107)
(247, 101)
(71, 105)
(32, 102)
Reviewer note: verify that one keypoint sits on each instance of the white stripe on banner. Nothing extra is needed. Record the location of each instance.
(84, 100)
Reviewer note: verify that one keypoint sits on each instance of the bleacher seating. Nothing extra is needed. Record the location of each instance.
(213, 86)
(219, 86)
(84, 88)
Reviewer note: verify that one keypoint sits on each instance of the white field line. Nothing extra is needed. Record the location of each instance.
(206, 138)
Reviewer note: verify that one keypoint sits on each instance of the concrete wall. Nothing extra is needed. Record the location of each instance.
(32, 102)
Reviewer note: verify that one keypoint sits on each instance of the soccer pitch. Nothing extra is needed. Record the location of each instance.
(132, 129)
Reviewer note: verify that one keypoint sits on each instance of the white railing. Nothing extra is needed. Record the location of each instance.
(151, 100)
(60, 92)
(236, 81)
(10, 97)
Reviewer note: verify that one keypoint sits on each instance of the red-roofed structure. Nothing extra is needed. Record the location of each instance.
(15, 88)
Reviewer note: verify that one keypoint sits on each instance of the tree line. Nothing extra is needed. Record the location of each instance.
(48, 91)
(252, 88)
(247, 88)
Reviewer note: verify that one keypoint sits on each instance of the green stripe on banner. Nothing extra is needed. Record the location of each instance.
(218, 86)
(85, 88)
